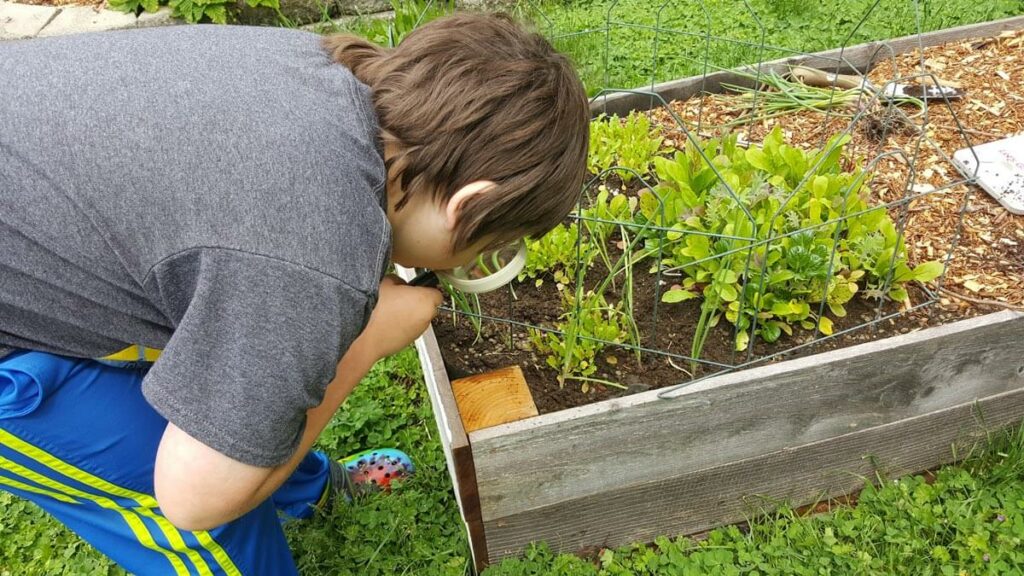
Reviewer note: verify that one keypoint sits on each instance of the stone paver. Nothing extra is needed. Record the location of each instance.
(22, 20)
(77, 19)
(19, 21)
(161, 17)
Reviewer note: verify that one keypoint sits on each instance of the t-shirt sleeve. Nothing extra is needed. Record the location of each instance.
(256, 342)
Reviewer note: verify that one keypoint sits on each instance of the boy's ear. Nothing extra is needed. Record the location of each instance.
(454, 206)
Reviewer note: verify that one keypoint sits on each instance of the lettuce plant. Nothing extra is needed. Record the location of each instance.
(629, 143)
(773, 237)
(588, 324)
(558, 254)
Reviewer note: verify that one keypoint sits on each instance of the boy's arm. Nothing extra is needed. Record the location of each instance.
(199, 488)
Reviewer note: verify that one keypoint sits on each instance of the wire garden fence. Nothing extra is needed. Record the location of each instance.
(759, 206)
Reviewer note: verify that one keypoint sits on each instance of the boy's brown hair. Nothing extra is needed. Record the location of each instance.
(474, 96)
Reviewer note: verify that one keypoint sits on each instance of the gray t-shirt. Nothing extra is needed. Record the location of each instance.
(215, 192)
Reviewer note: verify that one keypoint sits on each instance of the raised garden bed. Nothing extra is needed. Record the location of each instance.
(819, 419)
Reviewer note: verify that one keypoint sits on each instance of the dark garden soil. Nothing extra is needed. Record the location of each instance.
(985, 274)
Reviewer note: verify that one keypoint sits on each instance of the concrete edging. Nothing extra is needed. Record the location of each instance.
(22, 21)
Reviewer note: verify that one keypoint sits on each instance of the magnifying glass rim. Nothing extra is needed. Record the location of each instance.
(503, 276)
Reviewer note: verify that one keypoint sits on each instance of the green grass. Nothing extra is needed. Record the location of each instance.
(416, 529)
(969, 521)
(33, 544)
(632, 43)
(626, 44)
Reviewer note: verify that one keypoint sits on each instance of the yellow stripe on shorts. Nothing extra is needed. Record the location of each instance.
(29, 488)
(146, 503)
(134, 353)
(134, 522)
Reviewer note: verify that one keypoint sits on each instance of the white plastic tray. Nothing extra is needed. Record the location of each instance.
(1001, 170)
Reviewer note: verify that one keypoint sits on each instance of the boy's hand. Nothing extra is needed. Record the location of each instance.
(402, 313)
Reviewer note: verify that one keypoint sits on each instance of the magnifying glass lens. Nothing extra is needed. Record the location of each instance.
(489, 271)
(488, 263)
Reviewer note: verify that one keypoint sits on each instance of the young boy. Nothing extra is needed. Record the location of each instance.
(225, 201)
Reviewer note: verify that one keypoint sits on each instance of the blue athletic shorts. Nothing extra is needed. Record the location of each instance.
(78, 439)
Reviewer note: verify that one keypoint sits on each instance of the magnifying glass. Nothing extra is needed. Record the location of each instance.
(489, 271)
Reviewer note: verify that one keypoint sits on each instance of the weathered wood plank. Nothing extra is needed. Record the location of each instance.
(593, 449)
(857, 59)
(734, 492)
(458, 453)
(454, 439)
(493, 398)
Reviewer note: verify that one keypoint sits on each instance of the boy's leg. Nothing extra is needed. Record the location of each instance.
(307, 489)
(78, 439)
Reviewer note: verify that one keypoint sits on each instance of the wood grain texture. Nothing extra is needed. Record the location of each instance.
(492, 398)
(454, 439)
(591, 450)
(458, 452)
(857, 59)
(693, 502)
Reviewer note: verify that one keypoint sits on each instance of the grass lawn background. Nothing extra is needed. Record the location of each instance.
(969, 521)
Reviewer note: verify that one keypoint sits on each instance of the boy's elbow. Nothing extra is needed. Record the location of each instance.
(190, 520)
(186, 512)
(197, 488)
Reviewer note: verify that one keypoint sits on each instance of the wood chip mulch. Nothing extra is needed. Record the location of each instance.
(987, 266)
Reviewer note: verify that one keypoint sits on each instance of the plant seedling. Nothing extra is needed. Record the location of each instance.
(582, 333)
(628, 143)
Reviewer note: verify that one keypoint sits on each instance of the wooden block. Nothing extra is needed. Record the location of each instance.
(493, 398)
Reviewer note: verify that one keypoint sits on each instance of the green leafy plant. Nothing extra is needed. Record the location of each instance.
(135, 6)
(408, 14)
(606, 215)
(629, 143)
(588, 325)
(216, 11)
(768, 236)
(558, 254)
(789, 8)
